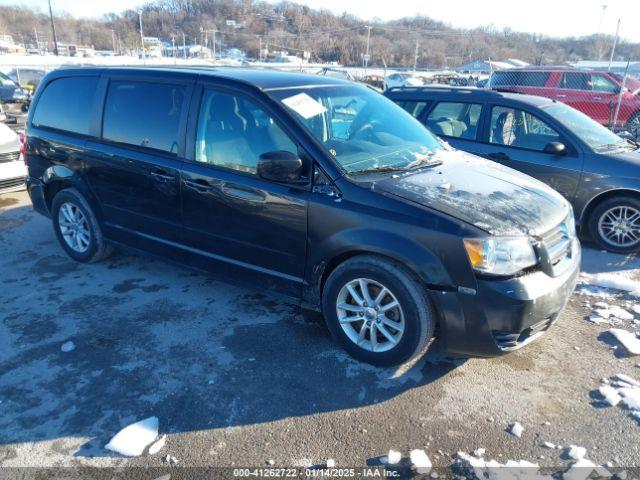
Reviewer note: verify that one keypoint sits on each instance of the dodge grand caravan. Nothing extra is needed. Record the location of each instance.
(311, 187)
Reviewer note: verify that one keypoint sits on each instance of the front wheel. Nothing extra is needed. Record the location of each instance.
(377, 311)
(615, 224)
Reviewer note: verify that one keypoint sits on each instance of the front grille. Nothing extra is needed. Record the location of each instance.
(557, 243)
(507, 341)
(9, 157)
(11, 183)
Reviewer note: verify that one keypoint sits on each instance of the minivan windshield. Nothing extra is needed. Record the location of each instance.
(599, 138)
(361, 129)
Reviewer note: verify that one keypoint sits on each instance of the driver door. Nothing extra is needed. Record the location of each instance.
(516, 138)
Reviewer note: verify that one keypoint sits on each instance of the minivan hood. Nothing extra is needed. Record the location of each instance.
(494, 198)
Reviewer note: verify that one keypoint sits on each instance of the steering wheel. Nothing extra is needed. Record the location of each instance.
(365, 131)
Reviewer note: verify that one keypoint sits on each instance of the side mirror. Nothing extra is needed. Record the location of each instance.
(555, 148)
(282, 167)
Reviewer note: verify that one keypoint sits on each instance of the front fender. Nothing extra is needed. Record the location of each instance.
(427, 265)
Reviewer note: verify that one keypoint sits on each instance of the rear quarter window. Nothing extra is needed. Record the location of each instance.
(525, 79)
(66, 104)
(144, 114)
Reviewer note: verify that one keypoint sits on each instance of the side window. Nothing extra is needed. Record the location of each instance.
(66, 104)
(603, 84)
(516, 128)
(233, 132)
(452, 119)
(144, 114)
(576, 81)
(413, 107)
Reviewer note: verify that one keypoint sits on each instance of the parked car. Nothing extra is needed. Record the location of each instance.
(241, 172)
(593, 168)
(592, 92)
(402, 79)
(27, 78)
(12, 168)
(11, 91)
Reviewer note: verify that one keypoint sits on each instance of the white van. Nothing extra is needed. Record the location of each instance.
(12, 168)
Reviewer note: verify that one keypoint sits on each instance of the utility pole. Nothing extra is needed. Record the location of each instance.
(35, 30)
(613, 48)
(144, 57)
(113, 40)
(53, 31)
(260, 50)
(366, 55)
(184, 45)
(415, 56)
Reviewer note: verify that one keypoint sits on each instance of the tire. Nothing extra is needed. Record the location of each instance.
(599, 224)
(92, 247)
(414, 311)
(633, 126)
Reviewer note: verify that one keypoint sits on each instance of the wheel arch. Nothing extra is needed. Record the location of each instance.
(417, 259)
(59, 177)
(598, 199)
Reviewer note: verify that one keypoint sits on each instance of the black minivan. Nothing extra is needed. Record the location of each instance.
(311, 187)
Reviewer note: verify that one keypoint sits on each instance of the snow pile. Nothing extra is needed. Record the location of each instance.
(133, 439)
(420, 461)
(612, 281)
(611, 314)
(516, 429)
(622, 390)
(493, 470)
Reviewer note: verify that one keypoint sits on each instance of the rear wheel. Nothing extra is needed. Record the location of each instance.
(615, 224)
(77, 227)
(378, 311)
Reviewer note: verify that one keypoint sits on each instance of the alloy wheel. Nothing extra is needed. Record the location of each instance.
(370, 315)
(620, 226)
(74, 227)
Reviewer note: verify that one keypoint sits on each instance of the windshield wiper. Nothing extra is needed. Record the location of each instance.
(423, 162)
(382, 169)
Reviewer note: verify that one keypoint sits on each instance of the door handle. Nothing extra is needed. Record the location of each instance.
(161, 176)
(199, 184)
(499, 156)
(243, 193)
(561, 96)
(597, 98)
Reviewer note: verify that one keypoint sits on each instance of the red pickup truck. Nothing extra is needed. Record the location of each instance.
(592, 92)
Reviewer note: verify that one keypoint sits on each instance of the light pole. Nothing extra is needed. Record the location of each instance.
(144, 57)
(366, 55)
(53, 31)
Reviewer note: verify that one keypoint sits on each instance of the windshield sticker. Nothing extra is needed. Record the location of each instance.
(304, 105)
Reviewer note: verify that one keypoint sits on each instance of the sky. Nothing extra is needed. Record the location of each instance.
(557, 18)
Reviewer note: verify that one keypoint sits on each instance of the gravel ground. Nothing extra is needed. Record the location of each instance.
(238, 379)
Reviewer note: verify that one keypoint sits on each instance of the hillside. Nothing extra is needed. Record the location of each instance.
(340, 38)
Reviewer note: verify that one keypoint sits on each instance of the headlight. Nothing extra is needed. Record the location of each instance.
(500, 255)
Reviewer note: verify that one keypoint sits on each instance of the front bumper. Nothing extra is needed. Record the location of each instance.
(504, 315)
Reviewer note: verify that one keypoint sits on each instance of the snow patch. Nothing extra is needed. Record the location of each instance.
(613, 281)
(622, 390)
(628, 340)
(577, 453)
(420, 460)
(133, 439)
(516, 429)
(158, 445)
(393, 457)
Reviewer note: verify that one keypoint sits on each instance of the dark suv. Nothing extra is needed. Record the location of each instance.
(311, 187)
(593, 168)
